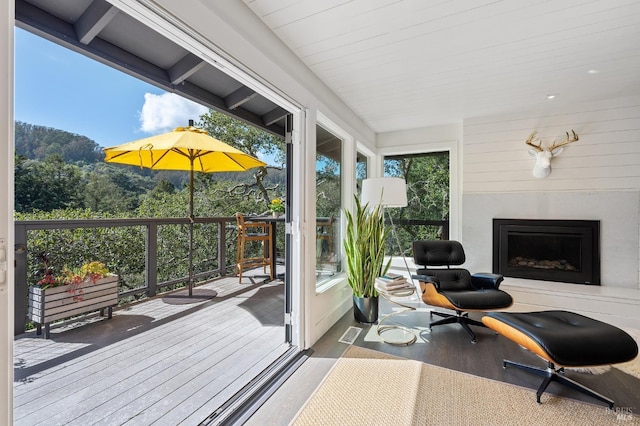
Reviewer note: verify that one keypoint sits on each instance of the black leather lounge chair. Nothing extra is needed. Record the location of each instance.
(455, 288)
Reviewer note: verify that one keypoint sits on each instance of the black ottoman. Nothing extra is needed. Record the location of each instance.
(565, 339)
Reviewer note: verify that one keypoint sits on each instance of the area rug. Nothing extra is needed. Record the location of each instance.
(367, 387)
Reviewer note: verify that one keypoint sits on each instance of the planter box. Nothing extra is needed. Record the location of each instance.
(55, 303)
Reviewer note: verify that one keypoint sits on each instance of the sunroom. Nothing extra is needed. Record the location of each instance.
(398, 79)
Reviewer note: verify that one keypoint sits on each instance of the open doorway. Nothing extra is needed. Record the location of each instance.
(194, 79)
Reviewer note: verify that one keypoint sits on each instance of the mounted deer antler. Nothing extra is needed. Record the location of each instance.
(532, 137)
(567, 140)
(542, 168)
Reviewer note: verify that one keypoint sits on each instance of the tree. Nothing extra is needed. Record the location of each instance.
(48, 185)
(38, 142)
(113, 188)
(25, 183)
(254, 142)
(163, 186)
(427, 177)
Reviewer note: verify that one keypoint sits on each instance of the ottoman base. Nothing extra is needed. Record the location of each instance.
(551, 375)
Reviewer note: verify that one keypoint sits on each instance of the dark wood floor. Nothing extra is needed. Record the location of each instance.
(447, 346)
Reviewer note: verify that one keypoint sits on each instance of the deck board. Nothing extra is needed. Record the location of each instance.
(170, 360)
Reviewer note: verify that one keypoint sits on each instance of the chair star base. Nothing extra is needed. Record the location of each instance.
(460, 318)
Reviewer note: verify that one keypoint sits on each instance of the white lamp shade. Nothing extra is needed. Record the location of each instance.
(385, 191)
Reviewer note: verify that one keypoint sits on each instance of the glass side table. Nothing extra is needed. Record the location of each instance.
(395, 334)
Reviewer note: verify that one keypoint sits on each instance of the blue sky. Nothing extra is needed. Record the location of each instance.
(56, 87)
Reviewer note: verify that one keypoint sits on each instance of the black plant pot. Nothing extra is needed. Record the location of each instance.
(365, 309)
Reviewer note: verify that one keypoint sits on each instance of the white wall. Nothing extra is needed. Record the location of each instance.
(606, 158)
(6, 211)
(596, 178)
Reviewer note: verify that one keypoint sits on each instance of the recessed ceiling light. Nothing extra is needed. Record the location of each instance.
(593, 71)
(551, 96)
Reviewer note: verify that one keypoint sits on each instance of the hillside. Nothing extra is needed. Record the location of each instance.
(56, 169)
(38, 142)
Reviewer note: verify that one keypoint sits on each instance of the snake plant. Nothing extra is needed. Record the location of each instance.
(364, 243)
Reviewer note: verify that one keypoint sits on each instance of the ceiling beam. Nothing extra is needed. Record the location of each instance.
(274, 115)
(94, 19)
(184, 68)
(210, 100)
(239, 97)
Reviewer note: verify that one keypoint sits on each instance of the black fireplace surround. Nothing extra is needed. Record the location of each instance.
(548, 250)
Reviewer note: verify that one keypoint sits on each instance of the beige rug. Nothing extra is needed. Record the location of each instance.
(372, 388)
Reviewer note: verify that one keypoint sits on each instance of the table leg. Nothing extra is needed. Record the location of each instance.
(409, 335)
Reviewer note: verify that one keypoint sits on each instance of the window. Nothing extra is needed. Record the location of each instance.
(328, 204)
(362, 163)
(427, 213)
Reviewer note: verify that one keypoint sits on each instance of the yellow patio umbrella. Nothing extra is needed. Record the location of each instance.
(185, 148)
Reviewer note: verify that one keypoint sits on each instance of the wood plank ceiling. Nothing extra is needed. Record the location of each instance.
(403, 64)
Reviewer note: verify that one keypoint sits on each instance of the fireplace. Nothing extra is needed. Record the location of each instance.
(549, 250)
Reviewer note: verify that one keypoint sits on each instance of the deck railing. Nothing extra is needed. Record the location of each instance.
(136, 282)
(164, 244)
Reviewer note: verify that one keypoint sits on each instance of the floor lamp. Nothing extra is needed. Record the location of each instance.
(388, 192)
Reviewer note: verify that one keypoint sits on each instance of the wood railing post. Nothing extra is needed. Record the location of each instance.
(222, 248)
(151, 258)
(21, 288)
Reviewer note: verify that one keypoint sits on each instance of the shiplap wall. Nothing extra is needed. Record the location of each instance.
(597, 177)
(607, 156)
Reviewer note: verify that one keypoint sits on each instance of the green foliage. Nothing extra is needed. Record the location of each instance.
(328, 187)
(427, 177)
(163, 186)
(56, 170)
(91, 271)
(364, 247)
(114, 188)
(121, 249)
(39, 142)
(254, 142)
(47, 185)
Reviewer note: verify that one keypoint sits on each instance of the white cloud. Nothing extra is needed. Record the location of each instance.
(165, 112)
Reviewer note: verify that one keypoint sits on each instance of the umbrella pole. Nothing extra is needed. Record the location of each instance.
(191, 230)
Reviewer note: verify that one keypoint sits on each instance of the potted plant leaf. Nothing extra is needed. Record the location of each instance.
(364, 244)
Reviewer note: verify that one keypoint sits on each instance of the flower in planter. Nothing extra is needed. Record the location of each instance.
(276, 205)
(74, 278)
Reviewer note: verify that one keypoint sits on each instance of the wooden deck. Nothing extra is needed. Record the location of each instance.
(168, 360)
